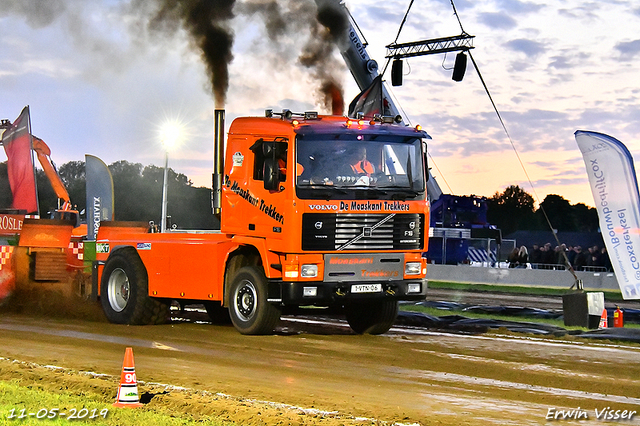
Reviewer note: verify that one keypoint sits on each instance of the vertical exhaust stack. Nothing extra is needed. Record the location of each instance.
(218, 161)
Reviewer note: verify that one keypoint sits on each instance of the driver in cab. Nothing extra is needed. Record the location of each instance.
(359, 163)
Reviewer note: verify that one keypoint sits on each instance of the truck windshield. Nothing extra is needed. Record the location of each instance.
(388, 166)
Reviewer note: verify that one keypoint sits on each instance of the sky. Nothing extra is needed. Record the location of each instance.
(101, 79)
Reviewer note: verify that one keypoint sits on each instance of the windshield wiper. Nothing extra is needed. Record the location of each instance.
(327, 188)
(400, 191)
(404, 193)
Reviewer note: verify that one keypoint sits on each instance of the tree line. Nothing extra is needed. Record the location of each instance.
(137, 193)
(514, 210)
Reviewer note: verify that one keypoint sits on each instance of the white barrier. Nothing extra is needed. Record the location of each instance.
(521, 277)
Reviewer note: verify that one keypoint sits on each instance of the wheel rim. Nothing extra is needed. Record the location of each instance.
(118, 290)
(245, 300)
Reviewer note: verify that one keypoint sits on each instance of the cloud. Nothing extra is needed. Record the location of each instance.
(560, 62)
(39, 14)
(628, 49)
(530, 48)
(568, 59)
(497, 20)
(519, 7)
(586, 11)
(384, 14)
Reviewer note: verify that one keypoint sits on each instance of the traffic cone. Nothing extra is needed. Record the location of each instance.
(128, 389)
(603, 320)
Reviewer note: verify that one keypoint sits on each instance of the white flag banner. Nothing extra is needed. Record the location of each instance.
(615, 192)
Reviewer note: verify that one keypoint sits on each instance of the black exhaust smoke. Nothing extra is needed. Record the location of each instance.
(328, 25)
(207, 22)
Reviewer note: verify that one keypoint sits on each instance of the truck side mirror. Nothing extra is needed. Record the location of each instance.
(271, 174)
(273, 160)
(268, 149)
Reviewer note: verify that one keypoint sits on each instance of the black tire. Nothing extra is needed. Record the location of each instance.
(373, 317)
(218, 314)
(248, 307)
(124, 292)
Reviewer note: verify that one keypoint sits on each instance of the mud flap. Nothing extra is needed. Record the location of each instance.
(95, 283)
(274, 292)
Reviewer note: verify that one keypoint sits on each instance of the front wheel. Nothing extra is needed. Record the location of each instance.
(373, 317)
(124, 292)
(248, 307)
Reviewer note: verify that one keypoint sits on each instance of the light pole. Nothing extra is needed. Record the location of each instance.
(169, 137)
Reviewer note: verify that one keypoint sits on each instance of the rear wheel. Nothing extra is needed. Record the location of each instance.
(124, 292)
(248, 307)
(373, 317)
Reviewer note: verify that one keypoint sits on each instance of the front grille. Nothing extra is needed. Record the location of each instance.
(345, 231)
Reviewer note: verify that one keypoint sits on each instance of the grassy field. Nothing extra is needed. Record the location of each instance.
(612, 296)
(34, 405)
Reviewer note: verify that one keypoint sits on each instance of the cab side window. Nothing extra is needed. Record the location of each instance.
(270, 155)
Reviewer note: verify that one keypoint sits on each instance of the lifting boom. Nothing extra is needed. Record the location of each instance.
(43, 152)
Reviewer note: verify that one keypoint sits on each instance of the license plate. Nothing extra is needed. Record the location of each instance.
(366, 288)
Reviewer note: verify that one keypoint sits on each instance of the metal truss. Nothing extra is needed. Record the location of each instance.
(463, 42)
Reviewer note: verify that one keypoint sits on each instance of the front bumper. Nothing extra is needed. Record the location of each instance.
(331, 293)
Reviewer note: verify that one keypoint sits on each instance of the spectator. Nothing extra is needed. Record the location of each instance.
(596, 257)
(549, 256)
(560, 253)
(536, 256)
(571, 255)
(513, 258)
(523, 257)
(580, 260)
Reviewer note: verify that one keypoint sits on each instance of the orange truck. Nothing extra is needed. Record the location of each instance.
(300, 225)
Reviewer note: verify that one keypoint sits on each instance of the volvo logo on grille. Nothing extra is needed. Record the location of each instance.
(412, 225)
(318, 225)
(367, 231)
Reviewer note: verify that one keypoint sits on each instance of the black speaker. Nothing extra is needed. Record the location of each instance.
(396, 73)
(575, 309)
(460, 67)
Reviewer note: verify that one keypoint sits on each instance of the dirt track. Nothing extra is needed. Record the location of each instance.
(405, 376)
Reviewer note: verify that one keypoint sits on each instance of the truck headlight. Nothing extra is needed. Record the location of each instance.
(309, 271)
(412, 268)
